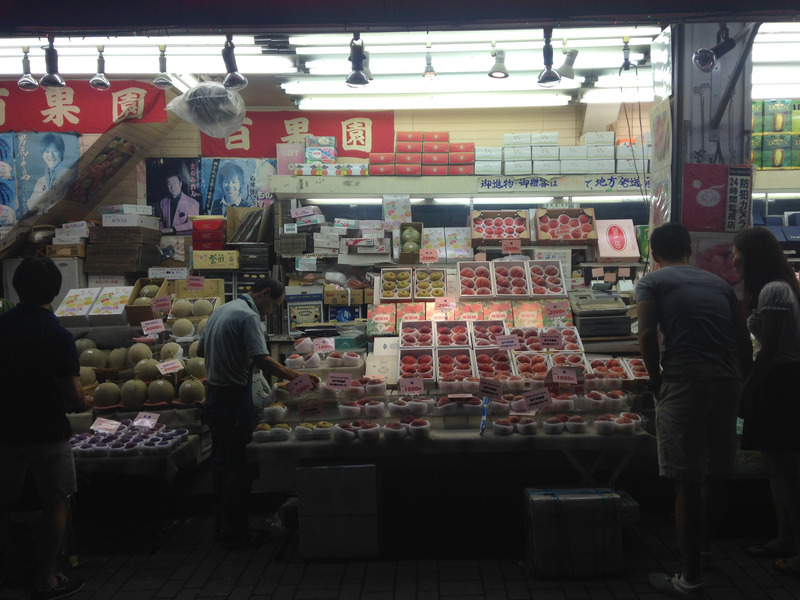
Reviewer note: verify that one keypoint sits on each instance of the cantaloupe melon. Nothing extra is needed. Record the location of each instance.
(182, 328)
(118, 358)
(133, 394)
(159, 391)
(170, 350)
(87, 376)
(93, 357)
(147, 369)
(181, 308)
(107, 394)
(196, 367)
(191, 391)
(84, 343)
(139, 351)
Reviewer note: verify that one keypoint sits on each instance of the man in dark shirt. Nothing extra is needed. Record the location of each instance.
(39, 370)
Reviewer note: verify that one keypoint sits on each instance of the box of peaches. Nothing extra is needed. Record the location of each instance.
(565, 226)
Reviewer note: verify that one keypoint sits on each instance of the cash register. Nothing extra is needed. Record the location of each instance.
(600, 313)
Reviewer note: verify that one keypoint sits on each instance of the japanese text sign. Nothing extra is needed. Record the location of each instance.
(339, 381)
(565, 375)
(491, 388)
(152, 326)
(169, 366)
(411, 386)
(195, 282)
(101, 425)
(299, 385)
(145, 420)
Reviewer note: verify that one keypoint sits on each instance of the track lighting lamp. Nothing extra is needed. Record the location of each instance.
(706, 59)
(52, 79)
(357, 77)
(430, 72)
(626, 57)
(162, 81)
(498, 71)
(366, 69)
(233, 80)
(568, 68)
(27, 82)
(549, 77)
(100, 81)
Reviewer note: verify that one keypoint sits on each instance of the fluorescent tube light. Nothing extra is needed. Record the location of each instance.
(424, 101)
(612, 96)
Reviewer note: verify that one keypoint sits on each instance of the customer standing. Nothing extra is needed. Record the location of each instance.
(232, 343)
(771, 401)
(39, 370)
(704, 348)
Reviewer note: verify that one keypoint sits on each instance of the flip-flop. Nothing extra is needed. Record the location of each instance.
(764, 551)
(784, 567)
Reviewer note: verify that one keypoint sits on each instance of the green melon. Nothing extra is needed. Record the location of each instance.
(133, 394)
(182, 328)
(83, 344)
(93, 357)
(169, 350)
(107, 394)
(139, 351)
(118, 358)
(196, 367)
(201, 326)
(181, 308)
(159, 391)
(148, 291)
(143, 301)
(191, 391)
(87, 376)
(147, 369)
(193, 349)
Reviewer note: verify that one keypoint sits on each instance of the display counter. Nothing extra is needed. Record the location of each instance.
(589, 454)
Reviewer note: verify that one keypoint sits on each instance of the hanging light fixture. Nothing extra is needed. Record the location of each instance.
(626, 57)
(233, 80)
(568, 68)
(357, 77)
(52, 79)
(27, 82)
(498, 71)
(705, 59)
(549, 77)
(100, 81)
(430, 72)
(366, 69)
(162, 81)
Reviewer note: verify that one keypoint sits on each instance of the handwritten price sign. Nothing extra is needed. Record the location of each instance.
(445, 304)
(153, 326)
(551, 340)
(510, 342)
(511, 247)
(169, 366)
(429, 255)
(162, 304)
(306, 409)
(299, 386)
(101, 425)
(145, 420)
(324, 344)
(556, 309)
(491, 388)
(195, 282)
(565, 375)
(412, 386)
(339, 381)
(537, 397)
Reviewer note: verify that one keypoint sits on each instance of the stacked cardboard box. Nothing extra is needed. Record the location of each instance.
(427, 153)
(125, 243)
(209, 233)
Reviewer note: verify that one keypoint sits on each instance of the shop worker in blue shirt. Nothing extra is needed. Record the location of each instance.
(232, 343)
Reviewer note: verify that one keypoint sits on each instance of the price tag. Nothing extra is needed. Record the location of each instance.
(101, 425)
(429, 255)
(510, 342)
(597, 271)
(299, 386)
(339, 381)
(511, 247)
(305, 409)
(153, 326)
(324, 344)
(145, 420)
(556, 309)
(412, 386)
(162, 304)
(551, 340)
(195, 282)
(491, 388)
(565, 375)
(305, 264)
(537, 397)
(445, 304)
(624, 272)
(169, 366)
(290, 228)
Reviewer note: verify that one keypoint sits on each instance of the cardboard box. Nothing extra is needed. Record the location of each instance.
(320, 141)
(394, 285)
(408, 147)
(545, 152)
(211, 245)
(517, 167)
(331, 169)
(572, 152)
(131, 220)
(342, 297)
(516, 139)
(408, 169)
(382, 169)
(527, 313)
(574, 532)
(499, 310)
(436, 147)
(303, 305)
(435, 136)
(326, 240)
(601, 152)
(434, 170)
(631, 165)
(408, 158)
(544, 138)
(469, 310)
(516, 153)
(381, 158)
(125, 209)
(337, 490)
(458, 244)
(138, 313)
(381, 246)
(433, 239)
(66, 250)
(461, 169)
(74, 308)
(488, 152)
(488, 167)
(411, 311)
(109, 308)
(600, 166)
(215, 259)
(408, 136)
(547, 167)
(568, 226)
(407, 255)
(776, 150)
(289, 155)
(461, 157)
(616, 241)
(435, 158)
(396, 209)
(491, 227)
(597, 138)
(574, 165)
(462, 146)
(381, 319)
(778, 115)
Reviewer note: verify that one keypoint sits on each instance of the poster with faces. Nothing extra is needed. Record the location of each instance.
(42, 162)
(173, 190)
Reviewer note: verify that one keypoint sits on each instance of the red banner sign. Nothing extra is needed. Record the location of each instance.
(80, 108)
(357, 133)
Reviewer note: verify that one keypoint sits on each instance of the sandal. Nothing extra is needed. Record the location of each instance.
(764, 551)
(787, 567)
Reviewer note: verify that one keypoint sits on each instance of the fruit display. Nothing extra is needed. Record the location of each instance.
(127, 441)
(452, 334)
(576, 424)
(416, 363)
(528, 338)
(494, 226)
(609, 372)
(429, 284)
(411, 238)
(396, 285)
(492, 362)
(532, 365)
(416, 334)
(475, 279)
(192, 308)
(565, 226)
(566, 338)
(484, 333)
(454, 365)
(570, 359)
(636, 368)
(547, 278)
(510, 278)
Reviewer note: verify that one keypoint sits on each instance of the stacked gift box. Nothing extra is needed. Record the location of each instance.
(427, 153)
(776, 134)
(70, 240)
(125, 243)
(320, 158)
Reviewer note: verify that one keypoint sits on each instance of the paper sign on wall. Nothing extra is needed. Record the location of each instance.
(429, 255)
(511, 246)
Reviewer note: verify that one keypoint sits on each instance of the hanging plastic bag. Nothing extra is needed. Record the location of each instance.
(262, 392)
(212, 108)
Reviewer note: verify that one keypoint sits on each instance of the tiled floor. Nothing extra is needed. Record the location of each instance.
(177, 559)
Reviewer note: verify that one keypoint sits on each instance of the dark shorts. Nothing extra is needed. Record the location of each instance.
(50, 465)
(772, 423)
(696, 428)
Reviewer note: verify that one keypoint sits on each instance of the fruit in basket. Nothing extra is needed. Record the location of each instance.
(107, 394)
(133, 394)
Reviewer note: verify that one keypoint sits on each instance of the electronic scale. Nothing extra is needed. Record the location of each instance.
(600, 313)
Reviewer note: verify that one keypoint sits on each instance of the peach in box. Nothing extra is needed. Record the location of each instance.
(565, 226)
(491, 227)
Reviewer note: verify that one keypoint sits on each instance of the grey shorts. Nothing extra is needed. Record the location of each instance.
(696, 428)
(50, 465)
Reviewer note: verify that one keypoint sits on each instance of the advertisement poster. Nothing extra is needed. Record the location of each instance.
(8, 186)
(173, 190)
(716, 198)
(240, 182)
(43, 161)
(661, 128)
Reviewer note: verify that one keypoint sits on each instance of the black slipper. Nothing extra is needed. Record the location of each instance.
(764, 551)
(786, 568)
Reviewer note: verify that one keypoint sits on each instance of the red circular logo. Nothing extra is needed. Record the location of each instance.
(616, 238)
